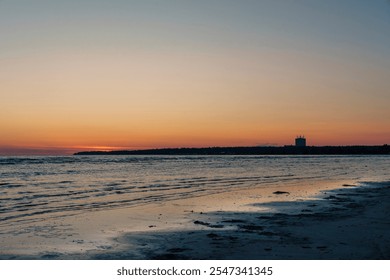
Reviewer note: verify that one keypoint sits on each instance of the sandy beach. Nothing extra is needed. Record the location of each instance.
(347, 223)
(332, 220)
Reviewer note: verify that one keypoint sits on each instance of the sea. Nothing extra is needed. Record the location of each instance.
(37, 188)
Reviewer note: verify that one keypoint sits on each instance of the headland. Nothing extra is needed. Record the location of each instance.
(255, 150)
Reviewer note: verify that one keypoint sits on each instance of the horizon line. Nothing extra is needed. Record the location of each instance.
(64, 151)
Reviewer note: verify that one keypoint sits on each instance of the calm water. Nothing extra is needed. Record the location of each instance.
(33, 188)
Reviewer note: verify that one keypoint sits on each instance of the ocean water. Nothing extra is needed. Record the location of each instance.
(37, 188)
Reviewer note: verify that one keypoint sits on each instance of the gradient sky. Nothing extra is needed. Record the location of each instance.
(122, 74)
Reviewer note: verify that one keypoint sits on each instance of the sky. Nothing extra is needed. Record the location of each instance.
(121, 74)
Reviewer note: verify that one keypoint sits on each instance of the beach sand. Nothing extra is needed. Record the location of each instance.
(332, 220)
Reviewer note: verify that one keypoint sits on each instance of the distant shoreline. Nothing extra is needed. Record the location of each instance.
(285, 150)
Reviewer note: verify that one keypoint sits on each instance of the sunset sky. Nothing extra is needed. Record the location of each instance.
(121, 74)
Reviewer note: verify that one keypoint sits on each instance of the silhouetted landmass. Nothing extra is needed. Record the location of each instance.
(286, 150)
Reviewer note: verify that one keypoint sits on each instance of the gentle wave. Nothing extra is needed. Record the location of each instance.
(34, 188)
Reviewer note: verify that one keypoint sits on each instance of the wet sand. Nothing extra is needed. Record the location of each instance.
(333, 220)
(348, 223)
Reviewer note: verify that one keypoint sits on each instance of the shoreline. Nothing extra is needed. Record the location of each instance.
(348, 223)
(305, 220)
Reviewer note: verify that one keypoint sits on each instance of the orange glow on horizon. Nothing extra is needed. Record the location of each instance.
(71, 149)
